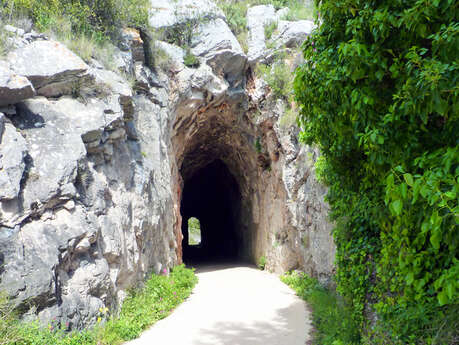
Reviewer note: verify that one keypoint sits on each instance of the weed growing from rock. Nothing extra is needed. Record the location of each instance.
(262, 262)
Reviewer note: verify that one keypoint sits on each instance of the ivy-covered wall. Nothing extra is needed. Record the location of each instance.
(379, 95)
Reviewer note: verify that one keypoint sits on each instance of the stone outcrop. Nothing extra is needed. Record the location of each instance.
(216, 44)
(13, 87)
(292, 34)
(91, 177)
(12, 154)
(53, 69)
(257, 18)
(165, 13)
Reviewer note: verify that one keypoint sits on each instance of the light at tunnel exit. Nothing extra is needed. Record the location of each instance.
(211, 195)
(194, 231)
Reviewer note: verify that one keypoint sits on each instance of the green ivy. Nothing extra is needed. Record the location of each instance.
(379, 96)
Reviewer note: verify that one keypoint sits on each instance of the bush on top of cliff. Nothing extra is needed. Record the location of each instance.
(379, 95)
(99, 19)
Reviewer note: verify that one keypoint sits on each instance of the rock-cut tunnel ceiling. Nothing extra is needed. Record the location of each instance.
(218, 172)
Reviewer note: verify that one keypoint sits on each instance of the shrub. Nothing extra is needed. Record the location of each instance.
(288, 119)
(90, 17)
(190, 60)
(262, 262)
(300, 10)
(85, 26)
(269, 30)
(278, 77)
(236, 14)
(161, 59)
(331, 318)
(379, 95)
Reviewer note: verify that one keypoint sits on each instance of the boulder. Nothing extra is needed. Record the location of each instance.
(292, 34)
(215, 42)
(14, 30)
(12, 153)
(13, 88)
(166, 13)
(53, 69)
(282, 13)
(257, 18)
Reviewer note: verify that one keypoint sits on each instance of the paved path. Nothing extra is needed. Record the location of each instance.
(234, 306)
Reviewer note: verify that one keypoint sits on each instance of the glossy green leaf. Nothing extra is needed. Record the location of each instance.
(408, 179)
(397, 206)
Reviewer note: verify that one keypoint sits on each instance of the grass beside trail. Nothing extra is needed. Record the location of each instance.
(142, 308)
(331, 319)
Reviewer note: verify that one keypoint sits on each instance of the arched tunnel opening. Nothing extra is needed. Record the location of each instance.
(212, 195)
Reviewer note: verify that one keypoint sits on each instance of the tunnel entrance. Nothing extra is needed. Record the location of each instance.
(212, 195)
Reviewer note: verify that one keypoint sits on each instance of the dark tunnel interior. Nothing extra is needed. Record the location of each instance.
(212, 195)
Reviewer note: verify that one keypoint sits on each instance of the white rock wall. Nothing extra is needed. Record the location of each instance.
(91, 171)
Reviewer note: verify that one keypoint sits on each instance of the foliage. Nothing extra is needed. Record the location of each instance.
(181, 35)
(379, 95)
(85, 26)
(154, 302)
(331, 318)
(278, 77)
(236, 13)
(194, 231)
(161, 58)
(99, 18)
(258, 146)
(5, 45)
(270, 29)
(141, 308)
(242, 37)
(288, 119)
(262, 262)
(190, 60)
(299, 10)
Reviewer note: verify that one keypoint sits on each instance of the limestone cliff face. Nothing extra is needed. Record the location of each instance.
(92, 168)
